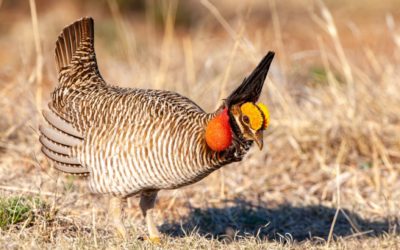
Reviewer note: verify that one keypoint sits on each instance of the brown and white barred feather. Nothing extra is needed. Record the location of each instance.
(125, 140)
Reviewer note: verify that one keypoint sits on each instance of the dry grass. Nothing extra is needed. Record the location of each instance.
(328, 177)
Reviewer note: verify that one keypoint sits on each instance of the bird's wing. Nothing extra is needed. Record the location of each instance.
(58, 138)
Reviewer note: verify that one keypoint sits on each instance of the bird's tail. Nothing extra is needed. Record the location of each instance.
(75, 55)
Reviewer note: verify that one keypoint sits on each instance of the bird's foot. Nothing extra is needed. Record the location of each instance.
(115, 212)
(155, 240)
(120, 231)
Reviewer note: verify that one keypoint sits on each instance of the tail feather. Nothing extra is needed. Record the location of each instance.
(78, 36)
(76, 62)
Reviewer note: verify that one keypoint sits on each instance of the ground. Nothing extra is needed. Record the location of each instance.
(328, 176)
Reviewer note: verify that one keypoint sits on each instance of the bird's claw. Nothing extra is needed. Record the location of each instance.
(156, 240)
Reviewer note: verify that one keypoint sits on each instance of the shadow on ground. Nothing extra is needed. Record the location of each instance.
(242, 218)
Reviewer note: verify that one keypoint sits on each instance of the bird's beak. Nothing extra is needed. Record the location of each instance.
(258, 138)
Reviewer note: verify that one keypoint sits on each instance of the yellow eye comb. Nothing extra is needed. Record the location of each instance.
(258, 115)
(255, 117)
(265, 111)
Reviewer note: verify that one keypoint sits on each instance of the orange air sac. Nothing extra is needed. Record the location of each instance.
(219, 132)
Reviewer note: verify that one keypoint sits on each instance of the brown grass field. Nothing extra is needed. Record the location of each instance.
(328, 176)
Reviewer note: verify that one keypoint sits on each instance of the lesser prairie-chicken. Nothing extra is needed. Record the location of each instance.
(130, 141)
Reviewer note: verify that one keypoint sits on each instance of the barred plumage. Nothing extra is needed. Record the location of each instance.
(130, 141)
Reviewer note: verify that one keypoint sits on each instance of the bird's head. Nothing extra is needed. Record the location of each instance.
(242, 116)
(251, 120)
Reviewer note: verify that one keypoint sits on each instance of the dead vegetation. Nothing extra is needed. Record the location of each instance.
(328, 177)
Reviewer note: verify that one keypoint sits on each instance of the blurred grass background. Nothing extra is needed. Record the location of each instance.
(328, 176)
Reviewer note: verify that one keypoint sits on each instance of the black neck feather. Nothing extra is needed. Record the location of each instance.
(250, 89)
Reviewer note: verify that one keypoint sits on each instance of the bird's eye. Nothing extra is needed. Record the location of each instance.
(246, 119)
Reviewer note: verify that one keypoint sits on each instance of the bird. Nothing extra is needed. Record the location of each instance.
(135, 142)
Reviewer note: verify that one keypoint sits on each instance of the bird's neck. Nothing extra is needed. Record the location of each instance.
(222, 145)
(218, 132)
(198, 159)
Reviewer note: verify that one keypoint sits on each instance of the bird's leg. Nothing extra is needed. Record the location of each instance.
(115, 213)
(147, 200)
